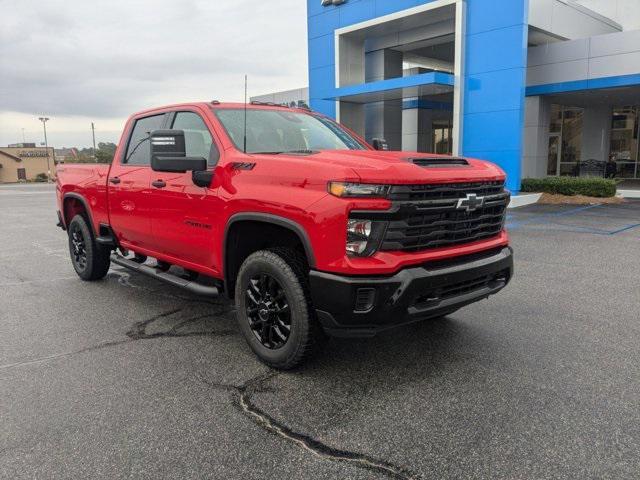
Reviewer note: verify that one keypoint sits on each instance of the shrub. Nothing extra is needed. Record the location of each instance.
(41, 177)
(588, 186)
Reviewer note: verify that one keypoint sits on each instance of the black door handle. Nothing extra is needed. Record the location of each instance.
(159, 184)
(115, 180)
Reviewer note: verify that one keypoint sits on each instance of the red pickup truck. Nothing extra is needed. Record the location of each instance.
(308, 228)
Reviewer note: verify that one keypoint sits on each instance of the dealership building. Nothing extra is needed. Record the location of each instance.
(540, 87)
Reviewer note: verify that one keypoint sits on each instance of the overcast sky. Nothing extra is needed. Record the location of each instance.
(78, 61)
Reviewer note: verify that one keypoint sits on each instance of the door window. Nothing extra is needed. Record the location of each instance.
(197, 138)
(139, 149)
(22, 174)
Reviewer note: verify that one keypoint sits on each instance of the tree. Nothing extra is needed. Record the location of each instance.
(105, 152)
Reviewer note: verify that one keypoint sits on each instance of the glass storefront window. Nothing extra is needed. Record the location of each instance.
(556, 119)
(625, 142)
(554, 151)
(442, 137)
(566, 142)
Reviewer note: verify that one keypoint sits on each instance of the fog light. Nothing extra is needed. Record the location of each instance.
(364, 300)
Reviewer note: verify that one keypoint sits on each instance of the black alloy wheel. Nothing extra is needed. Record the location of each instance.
(268, 311)
(89, 259)
(78, 248)
(274, 309)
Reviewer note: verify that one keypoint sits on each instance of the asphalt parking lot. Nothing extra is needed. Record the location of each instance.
(129, 378)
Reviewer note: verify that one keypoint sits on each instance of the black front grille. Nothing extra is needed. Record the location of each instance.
(413, 193)
(429, 216)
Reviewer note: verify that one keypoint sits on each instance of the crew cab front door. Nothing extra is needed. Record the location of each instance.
(129, 185)
(184, 219)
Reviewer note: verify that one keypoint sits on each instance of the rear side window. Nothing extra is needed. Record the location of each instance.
(197, 138)
(139, 148)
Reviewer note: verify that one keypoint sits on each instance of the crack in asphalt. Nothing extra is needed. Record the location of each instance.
(242, 400)
(137, 332)
(242, 395)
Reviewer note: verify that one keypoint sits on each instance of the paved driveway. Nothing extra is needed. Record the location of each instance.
(130, 378)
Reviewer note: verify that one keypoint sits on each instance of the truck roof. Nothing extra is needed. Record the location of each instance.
(224, 105)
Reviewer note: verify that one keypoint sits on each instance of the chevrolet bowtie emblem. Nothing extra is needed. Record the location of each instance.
(471, 203)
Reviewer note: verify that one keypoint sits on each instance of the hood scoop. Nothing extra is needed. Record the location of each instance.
(436, 162)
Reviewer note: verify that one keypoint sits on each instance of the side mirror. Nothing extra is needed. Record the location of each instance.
(380, 144)
(168, 153)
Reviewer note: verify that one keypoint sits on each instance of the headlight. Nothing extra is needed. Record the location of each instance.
(342, 189)
(363, 236)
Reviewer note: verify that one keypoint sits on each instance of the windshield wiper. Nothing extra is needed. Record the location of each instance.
(302, 152)
(287, 152)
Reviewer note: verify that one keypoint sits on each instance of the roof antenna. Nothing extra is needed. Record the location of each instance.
(245, 114)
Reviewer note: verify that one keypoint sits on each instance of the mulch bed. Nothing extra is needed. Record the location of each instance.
(553, 199)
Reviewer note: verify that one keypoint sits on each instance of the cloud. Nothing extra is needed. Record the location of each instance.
(107, 59)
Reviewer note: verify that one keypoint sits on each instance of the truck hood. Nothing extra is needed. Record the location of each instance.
(373, 166)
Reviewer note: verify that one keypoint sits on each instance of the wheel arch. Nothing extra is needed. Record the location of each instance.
(231, 264)
(70, 208)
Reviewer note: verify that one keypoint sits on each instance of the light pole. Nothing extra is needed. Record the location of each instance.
(93, 132)
(46, 145)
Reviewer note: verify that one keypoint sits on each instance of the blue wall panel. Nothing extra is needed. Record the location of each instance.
(494, 91)
(495, 73)
(322, 52)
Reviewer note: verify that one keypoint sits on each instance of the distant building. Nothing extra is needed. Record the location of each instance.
(22, 145)
(63, 155)
(294, 98)
(20, 164)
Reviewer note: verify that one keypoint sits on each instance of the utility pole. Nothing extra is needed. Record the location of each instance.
(93, 132)
(23, 140)
(46, 146)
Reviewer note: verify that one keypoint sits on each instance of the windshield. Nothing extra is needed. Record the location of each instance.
(279, 131)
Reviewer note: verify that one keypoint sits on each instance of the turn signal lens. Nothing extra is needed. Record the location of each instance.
(342, 189)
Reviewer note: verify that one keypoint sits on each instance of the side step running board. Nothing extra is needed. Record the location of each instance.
(166, 277)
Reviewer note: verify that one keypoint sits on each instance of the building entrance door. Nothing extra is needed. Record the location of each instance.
(565, 140)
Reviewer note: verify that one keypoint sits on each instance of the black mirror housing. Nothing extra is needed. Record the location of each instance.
(380, 144)
(168, 153)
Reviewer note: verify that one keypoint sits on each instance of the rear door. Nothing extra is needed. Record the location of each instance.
(184, 217)
(129, 185)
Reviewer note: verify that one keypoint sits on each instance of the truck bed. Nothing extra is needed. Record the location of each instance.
(89, 182)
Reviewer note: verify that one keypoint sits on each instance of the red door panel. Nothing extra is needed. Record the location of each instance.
(184, 220)
(130, 203)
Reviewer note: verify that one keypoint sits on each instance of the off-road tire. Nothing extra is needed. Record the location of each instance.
(96, 258)
(290, 270)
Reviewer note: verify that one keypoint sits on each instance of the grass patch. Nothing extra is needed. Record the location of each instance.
(570, 186)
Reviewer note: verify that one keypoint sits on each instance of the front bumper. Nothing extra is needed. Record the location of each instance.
(364, 306)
